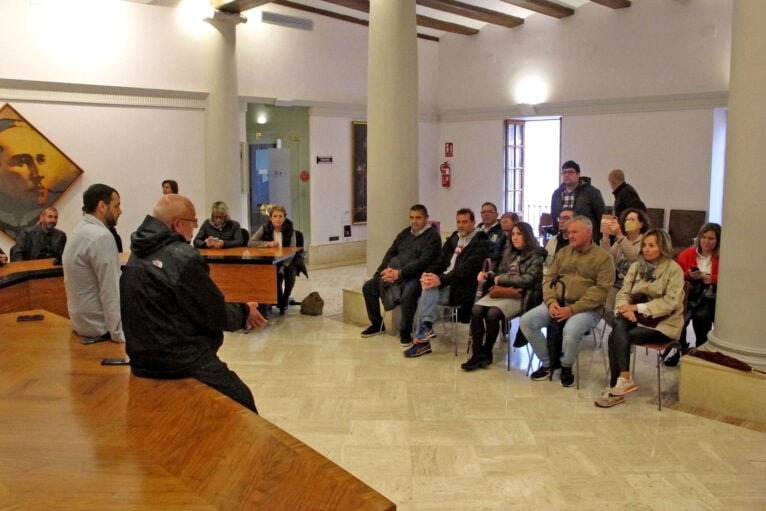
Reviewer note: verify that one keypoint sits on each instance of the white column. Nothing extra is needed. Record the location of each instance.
(739, 330)
(222, 120)
(392, 130)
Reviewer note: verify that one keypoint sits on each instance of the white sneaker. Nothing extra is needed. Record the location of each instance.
(623, 386)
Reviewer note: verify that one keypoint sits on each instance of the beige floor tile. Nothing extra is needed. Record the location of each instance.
(430, 436)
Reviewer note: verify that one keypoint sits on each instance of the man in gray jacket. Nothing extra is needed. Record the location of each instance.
(40, 241)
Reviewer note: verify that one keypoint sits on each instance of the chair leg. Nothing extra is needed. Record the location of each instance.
(454, 327)
(577, 371)
(659, 381)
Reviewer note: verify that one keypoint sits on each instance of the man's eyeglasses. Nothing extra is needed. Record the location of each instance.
(565, 218)
(565, 172)
(192, 220)
(488, 211)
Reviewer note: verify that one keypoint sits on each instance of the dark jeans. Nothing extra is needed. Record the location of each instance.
(701, 318)
(492, 317)
(409, 302)
(624, 333)
(285, 284)
(217, 375)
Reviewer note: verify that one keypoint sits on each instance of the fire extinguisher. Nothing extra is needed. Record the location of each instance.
(446, 171)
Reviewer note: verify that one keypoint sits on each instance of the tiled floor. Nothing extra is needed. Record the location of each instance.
(430, 436)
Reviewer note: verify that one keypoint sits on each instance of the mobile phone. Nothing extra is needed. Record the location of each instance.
(93, 340)
(30, 317)
(115, 362)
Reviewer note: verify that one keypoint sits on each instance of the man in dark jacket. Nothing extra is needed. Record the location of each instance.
(576, 192)
(412, 251)
(173, 314)
(625, 196)
(451, 280)
(410, 254)
(40, 241)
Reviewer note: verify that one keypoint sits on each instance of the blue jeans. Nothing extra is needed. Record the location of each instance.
(535, 319)
(429, 300)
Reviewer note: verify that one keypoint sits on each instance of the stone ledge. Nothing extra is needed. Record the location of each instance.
(722, 390)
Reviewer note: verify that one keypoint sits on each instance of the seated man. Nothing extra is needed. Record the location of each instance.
(219, 231)
(451, 280)
(92, 267)
(489, 223)
(585, 272)
(174, 314)
(40, 241)
(410, 254)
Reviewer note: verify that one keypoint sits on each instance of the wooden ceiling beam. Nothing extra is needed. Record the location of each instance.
(423, 21)
(337, 16)
(543, 7)
(238, 6)
(473, 12)
(614, 4)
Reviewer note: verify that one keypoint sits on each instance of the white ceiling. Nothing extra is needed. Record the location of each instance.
(494, 5)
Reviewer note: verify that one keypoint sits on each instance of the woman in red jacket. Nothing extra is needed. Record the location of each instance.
(700, 265)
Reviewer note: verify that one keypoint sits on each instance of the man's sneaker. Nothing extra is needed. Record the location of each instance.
(606, 400)
(424, 334)
(374, 330)
(567, 378)
(623, 386)
(543, 373)
(673, 359)
(418, 349)
(405, 339)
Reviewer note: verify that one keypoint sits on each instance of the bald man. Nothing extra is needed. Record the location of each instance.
(173, 313)
(625, 196)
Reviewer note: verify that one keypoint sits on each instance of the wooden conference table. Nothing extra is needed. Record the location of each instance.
(243, 274)
(78, 435)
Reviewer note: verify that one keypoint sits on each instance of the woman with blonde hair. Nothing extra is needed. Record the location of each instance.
(219, 231)
(648, 308)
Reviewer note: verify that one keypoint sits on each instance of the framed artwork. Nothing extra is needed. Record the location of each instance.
(359, 172)
(34, 173)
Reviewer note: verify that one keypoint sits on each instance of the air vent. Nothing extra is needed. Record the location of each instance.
(287, 21)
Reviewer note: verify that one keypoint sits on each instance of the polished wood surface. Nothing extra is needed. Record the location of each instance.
(243, 274)
(78, 435)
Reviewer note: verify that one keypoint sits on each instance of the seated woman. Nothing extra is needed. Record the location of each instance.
(219, 231)
(700, 265)
(625, 251)
(648, 308)
(278, 232)
(520, 273)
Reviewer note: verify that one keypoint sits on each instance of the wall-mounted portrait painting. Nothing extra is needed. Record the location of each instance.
(34, 173)
(359, 172)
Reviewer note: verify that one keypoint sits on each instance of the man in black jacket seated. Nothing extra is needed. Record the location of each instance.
(173, 314)
(452, 278)
(411, 252)
(40, 241)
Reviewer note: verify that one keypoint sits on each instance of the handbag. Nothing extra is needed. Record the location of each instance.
(312, 305)
(505, 292)
(642, 319)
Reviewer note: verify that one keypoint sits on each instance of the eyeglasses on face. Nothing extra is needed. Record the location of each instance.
(192, 220)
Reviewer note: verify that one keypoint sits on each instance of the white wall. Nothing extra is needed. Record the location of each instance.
(655, 47)
(666, 156)
(477, 170)
(130, 149)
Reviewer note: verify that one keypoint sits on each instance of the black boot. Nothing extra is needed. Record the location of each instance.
(472, 363)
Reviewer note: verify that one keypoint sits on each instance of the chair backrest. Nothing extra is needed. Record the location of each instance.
(245, 234)
(545, 229)
(683, 227)
(657, 216)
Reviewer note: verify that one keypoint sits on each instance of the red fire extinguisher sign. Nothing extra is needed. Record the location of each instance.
(448, 149)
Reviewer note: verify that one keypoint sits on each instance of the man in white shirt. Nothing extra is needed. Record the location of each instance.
(92, 267)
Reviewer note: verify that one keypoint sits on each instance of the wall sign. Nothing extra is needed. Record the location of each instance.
(448, 149)
(324, 159)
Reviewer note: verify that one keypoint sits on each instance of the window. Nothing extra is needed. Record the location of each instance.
(514, 165)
